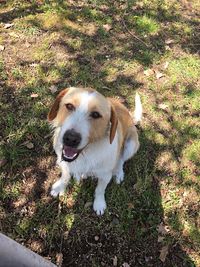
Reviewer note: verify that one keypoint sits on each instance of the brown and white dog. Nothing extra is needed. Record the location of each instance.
(93, 136)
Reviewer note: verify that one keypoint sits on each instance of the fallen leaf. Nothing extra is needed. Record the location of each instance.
(33, 64)
(27, 44)
(167, 47)
(125, 264)
(8, 25)
(53, 89)
(163, 229)
(169, 41)
(33, 95)
(160, 239)
(130, 205)
(13, 34)
(70, 201)
(28, 144)
(166, 64)
(148, 72)
(163, 106)
(59, 259)
(163, 253)
(158, 74)
(107, 27)
(2, 47)
(115, 261)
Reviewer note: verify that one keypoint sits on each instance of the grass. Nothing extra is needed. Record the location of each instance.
(118, 48)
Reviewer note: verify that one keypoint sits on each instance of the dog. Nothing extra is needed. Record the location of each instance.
(93, 136)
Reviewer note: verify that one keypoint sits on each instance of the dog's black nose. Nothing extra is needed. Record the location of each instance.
(71, 138)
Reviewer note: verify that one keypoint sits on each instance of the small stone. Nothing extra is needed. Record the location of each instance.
(96, 238)
(29, 145)
(2, 47)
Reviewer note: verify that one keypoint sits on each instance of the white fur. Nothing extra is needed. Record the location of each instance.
(99, 159)
(78, 120)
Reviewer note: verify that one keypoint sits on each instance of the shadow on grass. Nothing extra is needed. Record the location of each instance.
(19, 12)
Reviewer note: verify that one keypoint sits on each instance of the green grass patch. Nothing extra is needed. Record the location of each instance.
(184, 69)
(192, 152)
(145, 25)
(17, 73)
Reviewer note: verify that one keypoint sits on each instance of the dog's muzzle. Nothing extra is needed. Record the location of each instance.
(71, 140)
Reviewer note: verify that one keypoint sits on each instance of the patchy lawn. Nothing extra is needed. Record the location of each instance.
(118, 48)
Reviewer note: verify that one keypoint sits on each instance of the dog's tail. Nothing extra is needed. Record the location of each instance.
(137, 115)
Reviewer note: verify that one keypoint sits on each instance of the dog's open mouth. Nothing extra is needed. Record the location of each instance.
(70, 153)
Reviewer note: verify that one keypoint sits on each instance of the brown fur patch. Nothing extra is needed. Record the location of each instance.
(114, 123)
(99, 127)
(54, 109)
(125, 122)
(73, 97)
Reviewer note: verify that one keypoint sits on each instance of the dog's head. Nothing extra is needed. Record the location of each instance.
(84, 116)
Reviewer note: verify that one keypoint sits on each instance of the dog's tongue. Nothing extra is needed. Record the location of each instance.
(70, 152)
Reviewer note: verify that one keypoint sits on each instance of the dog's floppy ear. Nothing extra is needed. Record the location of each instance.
(114, 123)
(54, 109)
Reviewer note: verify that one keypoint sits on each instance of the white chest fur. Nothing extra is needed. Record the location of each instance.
(96, 157)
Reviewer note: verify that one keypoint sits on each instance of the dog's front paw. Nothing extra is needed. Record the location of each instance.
(58, 188)
(99, 206)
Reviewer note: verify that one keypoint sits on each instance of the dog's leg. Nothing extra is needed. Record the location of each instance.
(58, 187)
(99, 202)
(118, 172)
(130, 148)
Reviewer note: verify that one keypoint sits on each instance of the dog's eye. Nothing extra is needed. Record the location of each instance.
(70, 107)
(95, 115)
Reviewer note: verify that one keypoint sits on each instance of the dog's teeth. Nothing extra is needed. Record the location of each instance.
(67, 157)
